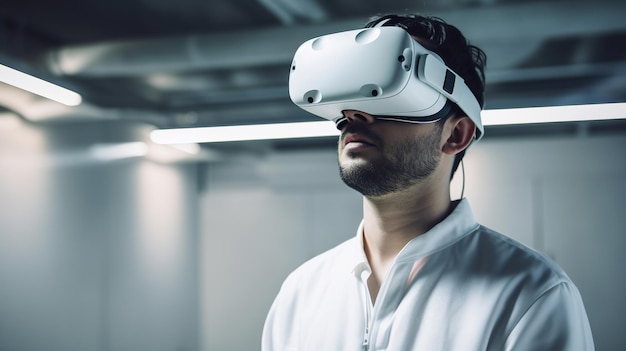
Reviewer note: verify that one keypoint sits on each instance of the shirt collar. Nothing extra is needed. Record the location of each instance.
(456, 225)
(359, 264)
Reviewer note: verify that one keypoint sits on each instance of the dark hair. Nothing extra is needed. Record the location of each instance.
(447, 41)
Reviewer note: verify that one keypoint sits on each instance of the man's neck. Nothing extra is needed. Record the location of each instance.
(390, 222)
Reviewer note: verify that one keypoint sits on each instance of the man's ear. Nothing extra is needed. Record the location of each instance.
(459, 131)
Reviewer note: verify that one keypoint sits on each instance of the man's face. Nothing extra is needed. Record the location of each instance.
(380, 157)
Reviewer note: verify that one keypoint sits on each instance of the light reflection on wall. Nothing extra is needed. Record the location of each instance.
(95, 253)
(159, 210)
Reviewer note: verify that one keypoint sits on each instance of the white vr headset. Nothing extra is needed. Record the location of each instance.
(382, 71)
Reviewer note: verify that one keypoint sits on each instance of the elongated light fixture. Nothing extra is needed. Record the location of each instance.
(244, 132)
(554, 114)
(39, 86)
(529, 115)
(108, 152)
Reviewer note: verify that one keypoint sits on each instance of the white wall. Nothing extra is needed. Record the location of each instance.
(94, 256)
(260, 218)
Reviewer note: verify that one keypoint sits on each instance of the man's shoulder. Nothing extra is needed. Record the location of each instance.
(507, 257)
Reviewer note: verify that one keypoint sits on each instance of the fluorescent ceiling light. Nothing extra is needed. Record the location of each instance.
(108, 152)
(39, 86)
(245, 132)
(530, 115)
(553, 114)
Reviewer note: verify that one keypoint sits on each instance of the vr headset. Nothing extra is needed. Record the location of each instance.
(382, 71)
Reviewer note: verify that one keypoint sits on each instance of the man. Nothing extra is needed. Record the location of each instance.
(421, 273)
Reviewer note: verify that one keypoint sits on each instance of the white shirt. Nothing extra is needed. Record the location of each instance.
(460, 286)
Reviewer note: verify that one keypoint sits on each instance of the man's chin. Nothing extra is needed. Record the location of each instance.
(354, 164)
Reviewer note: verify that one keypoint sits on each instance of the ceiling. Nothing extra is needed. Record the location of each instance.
(190, 63)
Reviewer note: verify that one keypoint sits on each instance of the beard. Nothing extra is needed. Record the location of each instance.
(401, 166)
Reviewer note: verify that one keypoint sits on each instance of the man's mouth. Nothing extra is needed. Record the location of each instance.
(352, 141)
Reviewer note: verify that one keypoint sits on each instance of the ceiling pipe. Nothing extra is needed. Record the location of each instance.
(489, 27)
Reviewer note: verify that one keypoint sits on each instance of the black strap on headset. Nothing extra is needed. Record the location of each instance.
(443, 113)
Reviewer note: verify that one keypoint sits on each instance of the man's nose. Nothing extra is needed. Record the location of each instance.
(358, 116)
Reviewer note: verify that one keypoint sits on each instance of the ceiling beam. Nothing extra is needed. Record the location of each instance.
(505, 32)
